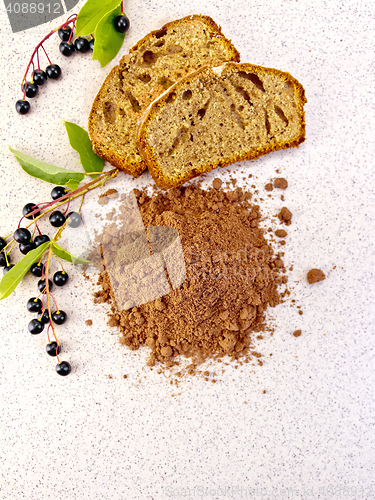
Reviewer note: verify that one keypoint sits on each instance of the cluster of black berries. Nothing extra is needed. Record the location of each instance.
(67, 47)
(60, 278)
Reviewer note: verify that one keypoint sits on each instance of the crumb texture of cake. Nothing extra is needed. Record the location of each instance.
(154, 64)
(217, 116)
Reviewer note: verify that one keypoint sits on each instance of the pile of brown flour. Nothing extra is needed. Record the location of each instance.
(232, 276)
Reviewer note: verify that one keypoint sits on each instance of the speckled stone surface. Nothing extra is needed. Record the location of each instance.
(89, 436)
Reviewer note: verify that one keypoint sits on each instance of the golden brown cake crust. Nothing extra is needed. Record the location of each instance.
(104, 141)
(150, 152)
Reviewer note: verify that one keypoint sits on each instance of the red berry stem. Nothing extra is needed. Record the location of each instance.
(122, 8)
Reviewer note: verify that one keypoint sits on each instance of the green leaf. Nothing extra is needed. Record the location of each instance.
(13, 277)
(45, 171)
(91, 13)
(80, 141)
(108, 40)
(65, 255)
(72, 184)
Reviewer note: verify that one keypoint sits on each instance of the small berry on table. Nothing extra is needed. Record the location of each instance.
(34, 305)
(59, 317)
(64, 33)
(122, 24)
(39, 77)
(42, 238)
(60, 278)
(57, 192)
(28, 208)
(3, 243)
(63, 368)
(82, 45)
(53, 71)
(22, 235)
(53, 349)
(66, 49)
(44, 317)
(35, 327)
(22, 107)
(25, 248)
(3, 260)
(75, 219)
(42, 285)
(37, 269)
(31, 89)
(57, 219)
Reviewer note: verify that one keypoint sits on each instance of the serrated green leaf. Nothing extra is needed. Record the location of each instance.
(65, 255)
(45, 171)
(91, 13)
(80, 141)
(108, 41)
(13, 277)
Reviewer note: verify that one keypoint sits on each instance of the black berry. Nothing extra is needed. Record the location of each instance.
(42, 238)
(91, 44)
(28, 208)
(66, 49)
(53, 71)
(60, 278)
(75, 219)
(64, 33)
(122, 24)
(7, 268)
(35, 326)
(25, 248)
(63, 368)
(59, 317)
(57, 219)
(53, 349)
(82, 45)
(31, 89)
(44, 317)
(37, 269)
(3, 243)
(42, 285)
(57, 192)
(22, 235)
(22, 107)
(39, 77)
(3, 261)
(34, 305)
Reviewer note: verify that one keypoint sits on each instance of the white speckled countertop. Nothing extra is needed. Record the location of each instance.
(88, 436)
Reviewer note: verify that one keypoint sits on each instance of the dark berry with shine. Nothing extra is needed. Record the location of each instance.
(34, 305)
(57, 192)
(64, 33)
(37, 269)
(66, 49)
(91, 44)
(44, 317)
(42, 238)
(53, 349)
(63, 368)
(25, 248)
(28, 208)
(3, 243)
(42, 285)
(82, 45)
(36, 326)
(53, 71)
(60, 278)
(31, 89)
(7, 268)
(39, 77)
(22, 235)
(59, 317)
(122, 24)
(3, 261)
(22, 107)
(57, 219)
(75, 219)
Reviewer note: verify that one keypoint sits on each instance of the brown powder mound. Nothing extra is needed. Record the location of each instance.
(285, 216)
(232, 276)
(281, 183)
(315, 275)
